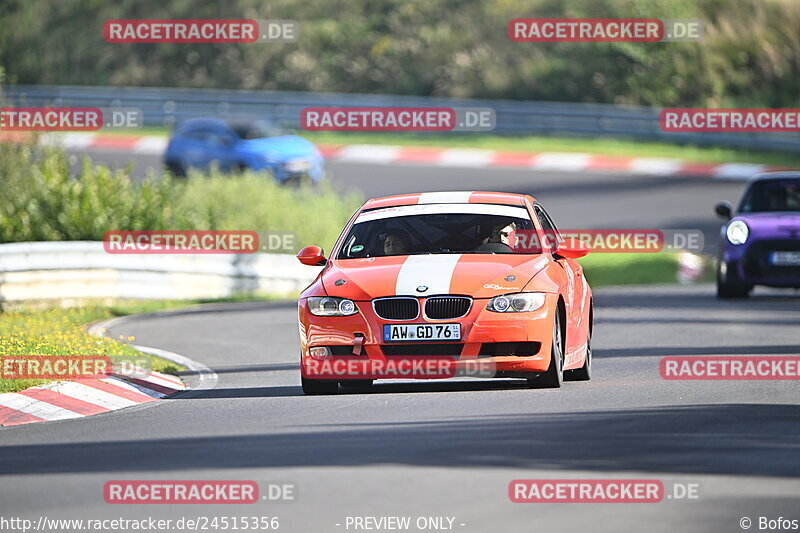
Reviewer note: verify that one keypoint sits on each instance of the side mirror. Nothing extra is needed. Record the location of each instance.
(572, 249)
(723, 210)
(312, 256)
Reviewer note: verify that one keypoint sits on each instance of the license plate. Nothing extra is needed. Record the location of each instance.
(421, 332)
(785, 258)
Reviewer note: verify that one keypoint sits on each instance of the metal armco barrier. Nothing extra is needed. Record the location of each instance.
(81, 270)
(166, 106)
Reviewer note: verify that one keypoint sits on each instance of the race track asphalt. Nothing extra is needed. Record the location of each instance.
(451, 448)
(444, 448)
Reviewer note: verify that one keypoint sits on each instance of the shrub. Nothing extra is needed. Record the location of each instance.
(41, 201)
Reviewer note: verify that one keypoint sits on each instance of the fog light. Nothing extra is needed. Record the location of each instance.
(319, 352)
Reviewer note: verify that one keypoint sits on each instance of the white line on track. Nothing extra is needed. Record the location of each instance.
(207, 378)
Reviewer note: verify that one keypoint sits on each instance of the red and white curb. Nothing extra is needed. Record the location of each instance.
(63, 400)
(448, 157)
(542, 161)
(83, 397)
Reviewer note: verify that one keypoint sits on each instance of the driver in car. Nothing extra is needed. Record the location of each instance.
(498, 241)
(395, 244)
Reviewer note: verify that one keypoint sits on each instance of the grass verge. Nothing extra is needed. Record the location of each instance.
(629, 269)
(58, 331)
(62, 332)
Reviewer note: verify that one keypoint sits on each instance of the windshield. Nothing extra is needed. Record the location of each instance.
(772, 195)
(257, 130)
(435, 233)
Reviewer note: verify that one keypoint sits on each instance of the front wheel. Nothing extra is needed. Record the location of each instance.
(731, 288)
(176, 169)
(319, 386)
(554, 376)
(298, 181)
(583, 373)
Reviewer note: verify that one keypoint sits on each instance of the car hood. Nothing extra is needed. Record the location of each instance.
(772, 225)
(476, 275)
(281, 148)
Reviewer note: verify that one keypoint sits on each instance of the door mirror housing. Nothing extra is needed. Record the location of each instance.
(312, 256)
(572, 249)
(724, 210)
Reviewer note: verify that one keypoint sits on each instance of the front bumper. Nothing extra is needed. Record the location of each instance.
(750, 263)
(293, 168)
(487, 340)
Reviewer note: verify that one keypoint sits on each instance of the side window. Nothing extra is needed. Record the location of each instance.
(195, 135)
(206, 136)
(228, 135)
(213, 138)
(551, 234)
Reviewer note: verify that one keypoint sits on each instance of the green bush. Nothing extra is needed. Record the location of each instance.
(41, 201)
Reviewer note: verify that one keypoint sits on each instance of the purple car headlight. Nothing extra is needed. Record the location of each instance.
(737, 232)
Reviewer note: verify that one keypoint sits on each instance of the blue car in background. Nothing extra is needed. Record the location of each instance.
(240, 144)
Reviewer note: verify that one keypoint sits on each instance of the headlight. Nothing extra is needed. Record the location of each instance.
(516, 303)
(330, 306)
(737, 232)
(298, 165)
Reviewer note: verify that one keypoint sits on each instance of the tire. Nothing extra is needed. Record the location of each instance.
(297, 182)
(176, 169)
(728, 291)
(356, 383)
(583, 373)
(315, 387)
(554, 376)
(731, 288)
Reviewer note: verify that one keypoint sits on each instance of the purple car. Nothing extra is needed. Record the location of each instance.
(760, 245)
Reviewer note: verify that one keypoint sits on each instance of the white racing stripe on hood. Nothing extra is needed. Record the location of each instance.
(433, 271)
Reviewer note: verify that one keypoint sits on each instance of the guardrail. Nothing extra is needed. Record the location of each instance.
(166, 106)
(82, 270)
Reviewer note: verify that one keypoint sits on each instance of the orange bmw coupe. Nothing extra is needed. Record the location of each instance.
(446, 284)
